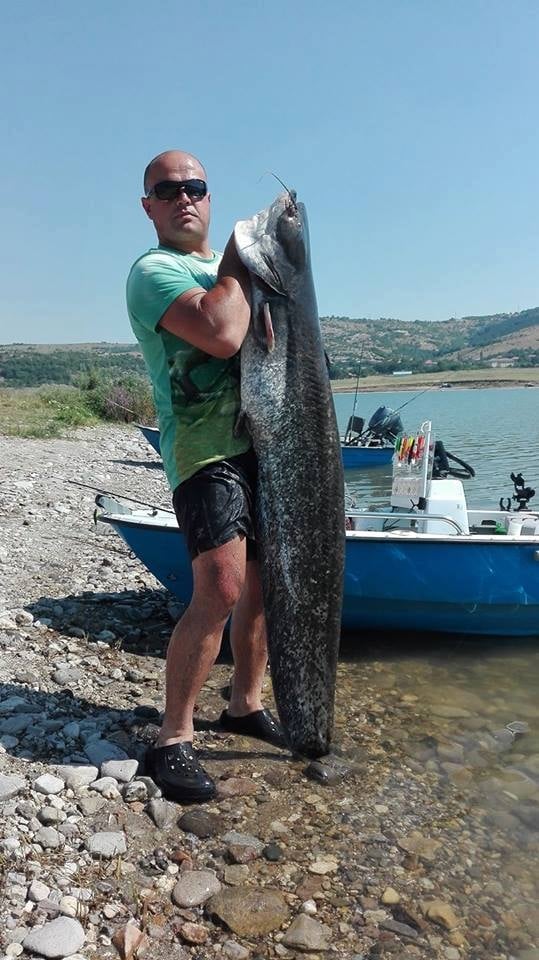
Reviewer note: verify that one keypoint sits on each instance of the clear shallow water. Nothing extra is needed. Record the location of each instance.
(451, 698)
(495, 430)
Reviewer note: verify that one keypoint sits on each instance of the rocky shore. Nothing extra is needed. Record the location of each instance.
(406, 856)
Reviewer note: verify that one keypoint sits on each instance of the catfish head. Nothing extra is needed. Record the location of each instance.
(274, 244)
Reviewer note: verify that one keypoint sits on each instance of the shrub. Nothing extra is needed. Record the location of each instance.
(125, 399)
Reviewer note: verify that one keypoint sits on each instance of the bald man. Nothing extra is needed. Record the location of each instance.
(189, 309)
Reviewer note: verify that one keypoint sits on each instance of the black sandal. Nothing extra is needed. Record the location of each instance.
(261, 724)
(177, 771)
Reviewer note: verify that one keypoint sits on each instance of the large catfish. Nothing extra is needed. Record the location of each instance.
(287, 404)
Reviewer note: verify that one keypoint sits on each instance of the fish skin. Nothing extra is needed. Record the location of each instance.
(287, 406)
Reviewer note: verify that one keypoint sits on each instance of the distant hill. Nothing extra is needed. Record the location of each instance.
(384, 345)
(32, 365)
(387, 344)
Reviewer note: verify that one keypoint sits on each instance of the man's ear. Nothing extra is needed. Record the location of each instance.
(146, 203)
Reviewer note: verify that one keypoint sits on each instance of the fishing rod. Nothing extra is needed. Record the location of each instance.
(351, 421)
(432, 387)
(112, 493)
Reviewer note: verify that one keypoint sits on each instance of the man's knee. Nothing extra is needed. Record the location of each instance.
(219, 580)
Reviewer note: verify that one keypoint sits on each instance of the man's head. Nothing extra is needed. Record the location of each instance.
(183, 221)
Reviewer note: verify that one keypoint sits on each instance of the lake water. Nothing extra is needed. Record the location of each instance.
(456, 696)
(496, 431)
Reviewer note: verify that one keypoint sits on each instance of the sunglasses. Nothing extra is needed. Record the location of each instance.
(172, 189)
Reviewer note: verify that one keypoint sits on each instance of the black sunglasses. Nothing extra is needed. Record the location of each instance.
(171, 189)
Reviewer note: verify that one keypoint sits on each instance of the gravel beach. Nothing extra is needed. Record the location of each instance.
(427, 848)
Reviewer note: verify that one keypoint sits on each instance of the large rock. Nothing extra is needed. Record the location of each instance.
(59, 938)
(249, 911)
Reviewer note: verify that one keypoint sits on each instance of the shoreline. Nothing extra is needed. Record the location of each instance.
(401, 858)
(455, 379)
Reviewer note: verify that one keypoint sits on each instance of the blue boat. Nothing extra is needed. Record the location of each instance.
(372, 445)
(361, 447)
(361, 457)
(440, 567)
(152, 436)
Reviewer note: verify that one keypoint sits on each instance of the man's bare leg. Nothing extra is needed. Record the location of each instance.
(218, 581)
(249, 646)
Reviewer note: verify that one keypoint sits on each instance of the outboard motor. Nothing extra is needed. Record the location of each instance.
(385, 424)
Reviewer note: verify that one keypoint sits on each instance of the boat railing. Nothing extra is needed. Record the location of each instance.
(415, 517)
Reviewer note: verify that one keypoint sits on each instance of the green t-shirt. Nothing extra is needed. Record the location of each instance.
(197, 396)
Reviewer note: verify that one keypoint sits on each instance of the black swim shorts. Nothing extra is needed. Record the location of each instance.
(216, 504)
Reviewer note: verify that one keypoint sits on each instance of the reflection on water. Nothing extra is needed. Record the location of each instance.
(464, 716)
(495, 430)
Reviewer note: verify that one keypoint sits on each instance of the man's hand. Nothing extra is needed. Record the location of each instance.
(232, 266)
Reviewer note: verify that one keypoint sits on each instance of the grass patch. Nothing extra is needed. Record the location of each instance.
(54, 410)
(43, 411)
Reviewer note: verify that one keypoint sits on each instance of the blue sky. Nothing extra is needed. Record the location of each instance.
(408, 127)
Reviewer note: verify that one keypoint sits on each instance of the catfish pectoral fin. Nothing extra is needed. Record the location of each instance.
(270, 334)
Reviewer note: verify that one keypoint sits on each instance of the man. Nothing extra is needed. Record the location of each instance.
(189, 309)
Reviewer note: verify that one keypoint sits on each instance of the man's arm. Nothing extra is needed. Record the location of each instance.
(215, 320)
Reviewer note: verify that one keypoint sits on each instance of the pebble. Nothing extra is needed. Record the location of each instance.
(48, 784)
(195, 887)
(76, 777)
(38, 891)
(107, 787)
(135, 791)
(163, 813)
(234, 951)
(10, 786)
(121, 770)
(321, 867)
(106, 844)
(98, 751)
(201, 823)
(59, 938)
(48, 838)
(307, 934)
(249, 911)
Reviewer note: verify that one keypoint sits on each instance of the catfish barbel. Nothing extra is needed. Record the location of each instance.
(287, 405)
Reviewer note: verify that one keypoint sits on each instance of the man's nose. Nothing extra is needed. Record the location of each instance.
(183, 196)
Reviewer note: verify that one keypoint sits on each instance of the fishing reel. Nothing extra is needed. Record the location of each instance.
(522, 494)
(442, 468)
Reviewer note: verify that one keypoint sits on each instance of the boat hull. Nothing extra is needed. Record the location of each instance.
(484, 586)
(353, 458)
(151, 434)
(452, 585)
